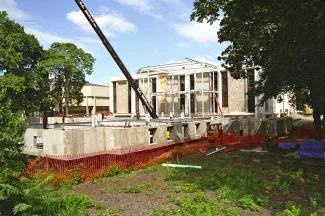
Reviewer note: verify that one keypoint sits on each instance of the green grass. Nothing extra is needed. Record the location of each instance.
(235, 184)
(245, 180)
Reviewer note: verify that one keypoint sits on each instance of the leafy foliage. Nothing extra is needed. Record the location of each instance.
(68, 65)
(285, 38)
(23, 86)
(19, 57)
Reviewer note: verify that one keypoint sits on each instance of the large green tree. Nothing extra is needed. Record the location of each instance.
(20, 54)
(67, 66)
(283, 37)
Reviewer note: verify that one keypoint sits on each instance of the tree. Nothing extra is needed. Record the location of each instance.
(12, 126)
(19, 57)
(285, 38)
(67, 65)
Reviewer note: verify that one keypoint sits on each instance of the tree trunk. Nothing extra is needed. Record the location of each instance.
(44, 119)
(60, 108)
(44, 115)
(66, 92)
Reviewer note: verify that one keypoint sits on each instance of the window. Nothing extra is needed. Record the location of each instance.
(153, 90)
(182, 102)
(224, 76)
(152, 132)
(192, 102)
(182, 83)
(192, 83)
(153, 85)
(137, 102)
(215, 102)
(215, 81)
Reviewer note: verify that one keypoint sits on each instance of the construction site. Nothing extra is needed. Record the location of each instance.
(162, 108)
(183, 107)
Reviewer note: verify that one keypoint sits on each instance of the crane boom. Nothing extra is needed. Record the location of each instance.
(117, 60)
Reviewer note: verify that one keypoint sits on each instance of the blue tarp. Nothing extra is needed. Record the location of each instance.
(319, 154)
(313, 145)
(287, 145)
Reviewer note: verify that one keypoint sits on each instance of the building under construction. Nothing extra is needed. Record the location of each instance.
(191, 87)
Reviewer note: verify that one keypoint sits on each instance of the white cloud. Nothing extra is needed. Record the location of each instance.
(170, 61)
(142, 6)
(46, 39)
(183, 45)
(14, 13)
(109, 24)
(199, 32)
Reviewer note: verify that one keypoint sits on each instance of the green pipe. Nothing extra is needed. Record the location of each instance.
(217, 150)
(181, 166)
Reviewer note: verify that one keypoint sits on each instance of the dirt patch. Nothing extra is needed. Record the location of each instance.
(224, 178)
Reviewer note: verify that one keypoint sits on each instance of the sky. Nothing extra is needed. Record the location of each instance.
(142, 32)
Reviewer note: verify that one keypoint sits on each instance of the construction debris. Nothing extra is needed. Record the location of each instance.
(217, 150)
(181, 166)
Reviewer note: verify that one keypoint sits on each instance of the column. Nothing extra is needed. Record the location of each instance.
(133, 102)
(87, 108)
(213, 98)
(219, 89)
(202, 93)
(94, 108)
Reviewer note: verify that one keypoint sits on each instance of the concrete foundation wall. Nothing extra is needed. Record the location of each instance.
(54, 120)
(268, 127)
(98, 139)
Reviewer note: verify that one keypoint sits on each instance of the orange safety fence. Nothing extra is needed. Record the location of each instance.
(85, 167)
(307, 132)
(234, 141)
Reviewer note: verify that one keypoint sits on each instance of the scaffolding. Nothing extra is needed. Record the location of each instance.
(168, 72)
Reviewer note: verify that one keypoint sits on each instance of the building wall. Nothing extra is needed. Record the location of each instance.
(98, 91)
(236, 95)
(283, 106)
(122, 97)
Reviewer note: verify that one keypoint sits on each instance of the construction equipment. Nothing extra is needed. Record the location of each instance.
(117, 60)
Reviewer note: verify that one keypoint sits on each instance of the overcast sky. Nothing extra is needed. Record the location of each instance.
(143, 32)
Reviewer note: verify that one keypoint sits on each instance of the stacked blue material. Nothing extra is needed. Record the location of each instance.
(287, 145)
(312, 149)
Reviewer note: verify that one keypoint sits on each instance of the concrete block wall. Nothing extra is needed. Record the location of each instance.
(122, 97)
(55, 120)
(268, 127)
(91, 140)
(236, 95)
(176, 132)
(160, 134)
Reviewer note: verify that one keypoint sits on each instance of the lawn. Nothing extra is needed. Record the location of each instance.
(238, 183)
